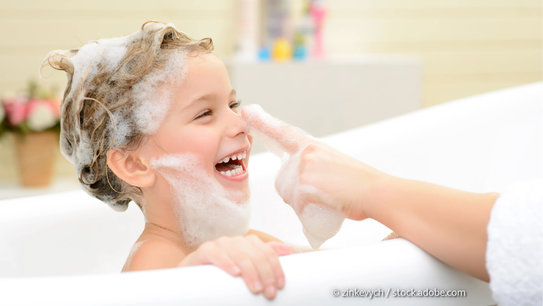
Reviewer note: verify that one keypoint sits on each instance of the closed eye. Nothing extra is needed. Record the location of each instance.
(204, 113)
(235, 105)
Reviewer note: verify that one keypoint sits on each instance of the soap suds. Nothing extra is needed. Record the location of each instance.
(151, 100)
(82, 154)
(268, 129)
(204, 208)
(122, 129)
(105, 53)
(319, 222)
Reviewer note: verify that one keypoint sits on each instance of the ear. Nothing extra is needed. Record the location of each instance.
(129, 167)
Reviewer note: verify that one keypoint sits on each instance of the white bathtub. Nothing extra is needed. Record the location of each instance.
(67, 248)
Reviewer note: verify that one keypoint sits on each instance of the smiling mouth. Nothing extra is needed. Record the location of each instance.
(233, 165)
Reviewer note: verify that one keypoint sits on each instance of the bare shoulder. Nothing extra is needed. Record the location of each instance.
(153, 253)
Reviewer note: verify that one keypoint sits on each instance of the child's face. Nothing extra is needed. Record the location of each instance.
(203, 119)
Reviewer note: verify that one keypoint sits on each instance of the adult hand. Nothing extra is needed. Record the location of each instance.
(314, 172)
(255, 261)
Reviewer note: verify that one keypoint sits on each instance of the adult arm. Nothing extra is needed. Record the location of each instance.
(447, 223)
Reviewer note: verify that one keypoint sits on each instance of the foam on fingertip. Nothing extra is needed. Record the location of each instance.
(320, 222)
(257, 120)
(276, 135)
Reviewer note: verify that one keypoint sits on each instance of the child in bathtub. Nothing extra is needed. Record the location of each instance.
(152, 118)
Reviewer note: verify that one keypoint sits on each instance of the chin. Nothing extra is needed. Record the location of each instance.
(239, 195)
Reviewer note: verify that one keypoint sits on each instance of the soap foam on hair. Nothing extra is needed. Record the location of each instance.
(151, 100)
(105, 53)
(204, 208)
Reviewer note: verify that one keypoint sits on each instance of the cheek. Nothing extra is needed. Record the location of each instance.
(201, 141)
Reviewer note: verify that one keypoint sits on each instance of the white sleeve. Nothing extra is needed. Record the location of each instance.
(514, 255)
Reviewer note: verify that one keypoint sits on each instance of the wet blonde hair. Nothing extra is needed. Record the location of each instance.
(94, 100)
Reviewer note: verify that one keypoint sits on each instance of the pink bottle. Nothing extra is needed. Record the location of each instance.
(318, 13)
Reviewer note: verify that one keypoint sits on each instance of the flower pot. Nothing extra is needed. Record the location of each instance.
(36, 154)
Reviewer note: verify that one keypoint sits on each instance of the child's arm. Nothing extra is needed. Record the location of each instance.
(263, 236)
(249, 257)
(273, 240)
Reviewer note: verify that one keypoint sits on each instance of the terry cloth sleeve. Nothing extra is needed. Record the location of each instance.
(514, 255)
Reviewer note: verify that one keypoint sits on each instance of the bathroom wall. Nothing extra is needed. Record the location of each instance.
(465, 46)
(30, 29)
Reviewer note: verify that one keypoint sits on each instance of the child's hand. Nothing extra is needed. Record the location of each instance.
(257, 262)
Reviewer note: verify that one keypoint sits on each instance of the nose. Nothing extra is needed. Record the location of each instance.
(235, 125)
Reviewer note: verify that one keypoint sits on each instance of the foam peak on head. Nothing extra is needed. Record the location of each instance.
(115, 95)
(103, 60)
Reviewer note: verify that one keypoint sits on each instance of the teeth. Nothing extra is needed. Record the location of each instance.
(235, 171)
(234, 157)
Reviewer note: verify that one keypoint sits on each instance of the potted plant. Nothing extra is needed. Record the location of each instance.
(34, 120)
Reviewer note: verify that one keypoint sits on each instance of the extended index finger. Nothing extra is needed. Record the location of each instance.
(276, 132)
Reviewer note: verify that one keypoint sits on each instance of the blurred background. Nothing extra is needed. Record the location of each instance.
(323, 65)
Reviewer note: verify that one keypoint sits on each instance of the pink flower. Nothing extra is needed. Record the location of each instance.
(42, 114)
(16, 110)
(49, 104)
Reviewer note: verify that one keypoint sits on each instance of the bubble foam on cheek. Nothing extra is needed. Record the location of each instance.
(205, 210)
